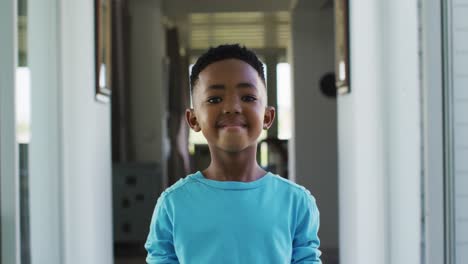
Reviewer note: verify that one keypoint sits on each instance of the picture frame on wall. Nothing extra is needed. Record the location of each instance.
(103, 50)
(342, 46)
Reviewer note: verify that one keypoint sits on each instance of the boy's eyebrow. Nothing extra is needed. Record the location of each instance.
(239, 85)
(246, 85)
(217, 87)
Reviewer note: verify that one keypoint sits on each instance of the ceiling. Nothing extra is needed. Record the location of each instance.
(258, 24)
(174, 8)
(257, 30)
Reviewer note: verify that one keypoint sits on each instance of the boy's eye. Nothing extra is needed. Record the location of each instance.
(248, 98)
(214, 100)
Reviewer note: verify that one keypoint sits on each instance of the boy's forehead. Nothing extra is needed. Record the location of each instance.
(229, 70)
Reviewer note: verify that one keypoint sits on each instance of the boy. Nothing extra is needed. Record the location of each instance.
(233, 211)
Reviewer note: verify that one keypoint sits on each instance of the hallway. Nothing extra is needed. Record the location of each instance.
(80, 171)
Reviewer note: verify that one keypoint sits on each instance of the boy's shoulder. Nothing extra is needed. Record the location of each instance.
(178, 185)
(294, 187)
(275, 184)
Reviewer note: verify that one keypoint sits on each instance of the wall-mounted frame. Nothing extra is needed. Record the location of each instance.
(342, 46)
(103, 49)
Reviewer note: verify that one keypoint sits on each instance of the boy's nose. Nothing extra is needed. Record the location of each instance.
(232, 106)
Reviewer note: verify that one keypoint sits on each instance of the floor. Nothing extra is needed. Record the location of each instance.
(129, 261)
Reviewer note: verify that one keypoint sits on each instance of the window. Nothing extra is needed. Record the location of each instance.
(284, 114)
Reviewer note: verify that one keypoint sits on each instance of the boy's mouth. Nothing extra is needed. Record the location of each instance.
(231, 122)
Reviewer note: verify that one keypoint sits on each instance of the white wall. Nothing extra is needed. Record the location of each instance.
(379, 137)
(313, 159)
(70, 162)
(147, 50)
(86, 142)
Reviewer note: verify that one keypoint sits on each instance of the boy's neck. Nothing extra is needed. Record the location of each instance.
(240, 166)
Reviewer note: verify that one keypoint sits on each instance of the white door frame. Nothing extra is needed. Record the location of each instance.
(9, 177)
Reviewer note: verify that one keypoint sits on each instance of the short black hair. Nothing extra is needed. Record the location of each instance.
(223, 52)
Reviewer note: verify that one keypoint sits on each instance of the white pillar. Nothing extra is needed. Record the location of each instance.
(380, 136)
(45, 156)
(9, 176)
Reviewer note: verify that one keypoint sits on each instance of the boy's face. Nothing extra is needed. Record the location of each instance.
(229, 105)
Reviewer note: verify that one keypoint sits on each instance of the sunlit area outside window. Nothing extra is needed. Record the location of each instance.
(284, 100)
(23, 105)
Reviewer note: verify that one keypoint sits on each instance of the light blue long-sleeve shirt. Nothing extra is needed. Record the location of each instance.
(201, 221)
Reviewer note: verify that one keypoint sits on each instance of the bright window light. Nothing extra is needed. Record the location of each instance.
(23, 105)
(284, 100)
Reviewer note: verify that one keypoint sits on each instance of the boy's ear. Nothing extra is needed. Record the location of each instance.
(192, 120)
(269, 117)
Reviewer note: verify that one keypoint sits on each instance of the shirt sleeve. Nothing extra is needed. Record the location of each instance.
(160, 241)
(306, 241)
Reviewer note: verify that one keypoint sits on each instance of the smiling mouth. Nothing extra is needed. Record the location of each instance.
(232, 126)
(231, 123)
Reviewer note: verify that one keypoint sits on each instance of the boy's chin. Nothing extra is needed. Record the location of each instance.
(233, 148)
